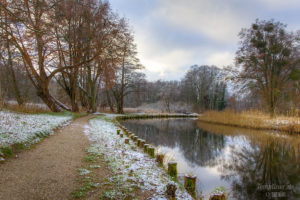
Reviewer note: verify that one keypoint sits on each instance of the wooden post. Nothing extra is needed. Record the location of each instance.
(121, 135)
(142, 143)
(138, 142)
(126, 141)
(171, 190)
(135, 138)
(151, 152)
(132, 136)
(160, 159)
(172, 169)
(146, 147)
(118, 132)
(190, 184)
(218, 197)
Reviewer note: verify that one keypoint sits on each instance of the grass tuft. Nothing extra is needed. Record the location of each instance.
(7, 152)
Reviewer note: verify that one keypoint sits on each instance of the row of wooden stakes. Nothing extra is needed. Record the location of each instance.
(189, 180)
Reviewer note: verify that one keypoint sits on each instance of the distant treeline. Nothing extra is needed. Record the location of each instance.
(80, 54)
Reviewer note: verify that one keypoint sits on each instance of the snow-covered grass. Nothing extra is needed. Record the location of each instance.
(18, 128)
(133, 167)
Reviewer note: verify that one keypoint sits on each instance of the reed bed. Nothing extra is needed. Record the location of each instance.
(252, 119)
(29, 108)
(152, 116)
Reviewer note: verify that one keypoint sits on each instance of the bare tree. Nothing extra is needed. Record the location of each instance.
(28, 29)
(129, 63)
(267, 56)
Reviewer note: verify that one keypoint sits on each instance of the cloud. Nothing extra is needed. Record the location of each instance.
(172, 35)
(221, 59)
(279, 4)
(215, 19)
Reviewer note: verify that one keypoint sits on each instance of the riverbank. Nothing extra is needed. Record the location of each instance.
(134, 173)
(253, 120)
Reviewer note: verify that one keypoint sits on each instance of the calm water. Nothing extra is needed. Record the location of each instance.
(248, 164)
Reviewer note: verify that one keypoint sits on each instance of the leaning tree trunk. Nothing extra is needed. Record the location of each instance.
(49, 100)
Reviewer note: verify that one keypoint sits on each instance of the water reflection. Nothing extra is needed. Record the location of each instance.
(264, 171)
(198, 146)
(249, 164)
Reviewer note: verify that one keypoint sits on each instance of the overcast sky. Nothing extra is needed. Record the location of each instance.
(172, 35)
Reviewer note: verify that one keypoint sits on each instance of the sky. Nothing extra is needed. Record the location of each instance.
(172, 35)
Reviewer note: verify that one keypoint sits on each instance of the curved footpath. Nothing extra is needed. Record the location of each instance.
(86, 160)
(50, 169)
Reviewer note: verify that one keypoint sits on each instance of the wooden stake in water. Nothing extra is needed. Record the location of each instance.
(190, 184)
(151, 152)
(218, 197)
(146, 148)
(121, 135)
(172, 169)
(160, 159)
(135, 138)
(142, 143)
(138, 142)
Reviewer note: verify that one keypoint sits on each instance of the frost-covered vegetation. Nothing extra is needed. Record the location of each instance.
(18, 128)
(133, 168)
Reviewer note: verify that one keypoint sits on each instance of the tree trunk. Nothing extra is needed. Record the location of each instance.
(119, 108)
(74, 104)
(93, 99)
(11, 69)
(73, 94)
(13, 78)
(49, 100)
(111, 107)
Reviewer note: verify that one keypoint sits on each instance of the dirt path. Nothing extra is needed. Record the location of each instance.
(49, 170)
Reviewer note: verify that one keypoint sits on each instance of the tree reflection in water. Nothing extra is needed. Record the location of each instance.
(273, 163)
(247, 162)
(198, 146)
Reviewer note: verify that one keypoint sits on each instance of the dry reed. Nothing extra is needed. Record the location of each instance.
(252, 119)
(27, 108)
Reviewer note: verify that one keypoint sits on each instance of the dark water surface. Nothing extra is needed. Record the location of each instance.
(248, 164)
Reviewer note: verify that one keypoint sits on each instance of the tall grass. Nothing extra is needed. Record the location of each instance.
(252, 119)
(29, 108)
(32, 108)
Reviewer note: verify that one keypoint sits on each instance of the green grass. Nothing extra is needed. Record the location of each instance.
(81, 192)
(65, 113)
(91, 157)
(7, 152)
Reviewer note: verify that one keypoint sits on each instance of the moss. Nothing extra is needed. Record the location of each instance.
(151, 152)
(172, 170)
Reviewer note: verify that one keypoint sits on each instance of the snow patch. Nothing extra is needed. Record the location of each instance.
(27, 128)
